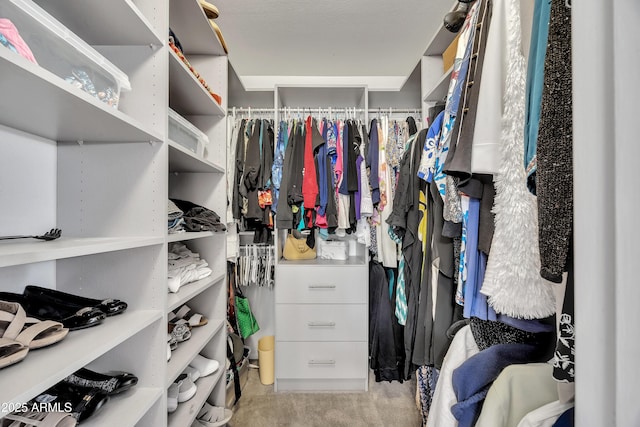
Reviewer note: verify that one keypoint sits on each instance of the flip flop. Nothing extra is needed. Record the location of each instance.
(11, 352)
(194, 319)
(41, 419)
(30, 332)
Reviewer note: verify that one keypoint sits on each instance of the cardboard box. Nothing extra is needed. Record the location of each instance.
(449, 55)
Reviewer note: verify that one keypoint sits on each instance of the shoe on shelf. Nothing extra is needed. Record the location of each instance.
(109, 306)
(71, 316)
(213, 416)
(82, 401)
(186, 388)
(191, 317)
(179, 330)
(25, 331)
(204, 365)
(113, 382)
(43, 419)
(193, 373)
(172, 397)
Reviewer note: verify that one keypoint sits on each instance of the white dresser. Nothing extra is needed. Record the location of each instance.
(322, 324)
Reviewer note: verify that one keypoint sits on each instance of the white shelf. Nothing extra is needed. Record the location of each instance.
(187, 350)
(190, 290)
(188, 411)
(17, 252)
(186, 94)
(192, 235)
(351, 261)
(126, 409)
(191, 26)
(183, 160)
(56, 110)
(45, 367)
(439, 91)
(441, 39)
(87, 19)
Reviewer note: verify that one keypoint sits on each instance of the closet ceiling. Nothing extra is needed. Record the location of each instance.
(329, 37)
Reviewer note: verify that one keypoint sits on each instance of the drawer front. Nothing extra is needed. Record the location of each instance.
(316, 322)
(322, 284)
(340, 360)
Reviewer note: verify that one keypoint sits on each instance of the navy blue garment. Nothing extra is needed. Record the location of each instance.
(372, 162)
(472, 379)
(567, 419)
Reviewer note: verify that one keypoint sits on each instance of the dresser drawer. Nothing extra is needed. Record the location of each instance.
(322, 284)
(340, 360)
(316, 322)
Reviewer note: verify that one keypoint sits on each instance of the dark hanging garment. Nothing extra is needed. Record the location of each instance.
(373, 162)
(344, 184)
(266, 187)
(236, 203)
(554, 153)
(564, 367)
(297, 166)
(382, 342)
(284, 217)
(411, 124)
(251, 178)
(458, 162)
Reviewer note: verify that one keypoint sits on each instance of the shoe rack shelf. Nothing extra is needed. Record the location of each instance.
(183, 355)
(187, 411)
(193, 289)
(45, 367)
(103, 175)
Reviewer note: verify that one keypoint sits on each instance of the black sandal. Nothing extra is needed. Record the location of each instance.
(80, 402)
(111, 382)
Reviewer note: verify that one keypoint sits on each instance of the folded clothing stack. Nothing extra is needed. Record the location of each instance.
(199, 218)
(175, 218)
(185, 266)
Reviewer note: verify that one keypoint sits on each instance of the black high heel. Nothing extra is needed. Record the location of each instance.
(80, 402)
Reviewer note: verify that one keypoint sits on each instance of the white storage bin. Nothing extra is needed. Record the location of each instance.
(333, 249)
(186, 134)
(60, 51)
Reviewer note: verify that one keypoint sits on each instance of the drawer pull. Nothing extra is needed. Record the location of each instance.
(322, 362)
(321, 324)
(322, 286)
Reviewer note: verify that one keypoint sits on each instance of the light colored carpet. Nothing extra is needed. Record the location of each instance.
(384, 405)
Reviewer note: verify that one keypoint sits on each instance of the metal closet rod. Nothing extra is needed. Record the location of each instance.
(333, 109)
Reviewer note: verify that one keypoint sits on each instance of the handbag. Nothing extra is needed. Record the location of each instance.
(297, 249)
(247, 323)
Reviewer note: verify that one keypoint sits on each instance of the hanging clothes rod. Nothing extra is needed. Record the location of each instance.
(323, 109)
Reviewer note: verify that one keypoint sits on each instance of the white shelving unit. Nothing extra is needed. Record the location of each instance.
(435, 80)
(103, 175)
(201, 180)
